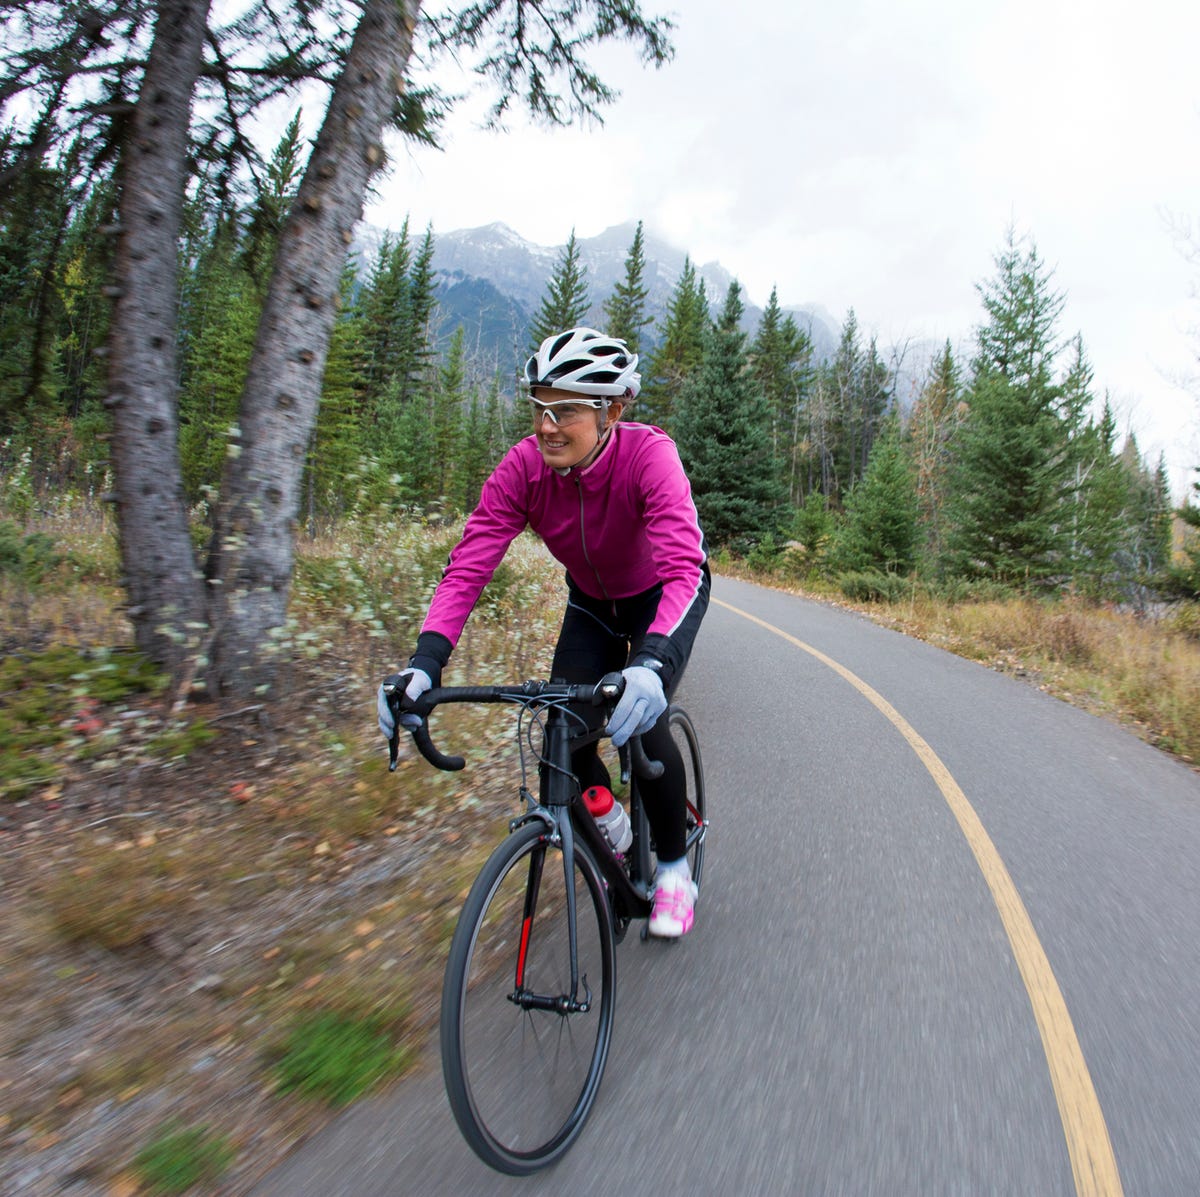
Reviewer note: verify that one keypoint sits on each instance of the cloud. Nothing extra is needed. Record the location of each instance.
(872, 155)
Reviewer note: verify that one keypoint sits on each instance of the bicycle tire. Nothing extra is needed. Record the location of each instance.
(684, 733)
(521, 1082)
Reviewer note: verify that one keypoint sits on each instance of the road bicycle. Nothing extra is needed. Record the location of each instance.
(530, 983)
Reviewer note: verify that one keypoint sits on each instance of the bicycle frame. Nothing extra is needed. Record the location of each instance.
(559, 792)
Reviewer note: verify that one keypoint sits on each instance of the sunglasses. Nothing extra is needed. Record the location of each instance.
(564, 412)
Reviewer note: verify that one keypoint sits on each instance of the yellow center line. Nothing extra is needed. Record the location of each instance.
(1088, 1144)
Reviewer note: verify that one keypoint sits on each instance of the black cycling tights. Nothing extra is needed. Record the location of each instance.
(591, 644)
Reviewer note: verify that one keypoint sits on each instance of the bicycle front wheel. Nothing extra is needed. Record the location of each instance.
(523, 1056)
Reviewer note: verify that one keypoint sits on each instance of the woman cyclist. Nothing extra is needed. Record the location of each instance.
(613, 505)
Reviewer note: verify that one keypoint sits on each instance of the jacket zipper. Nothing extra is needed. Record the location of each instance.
(586, 554)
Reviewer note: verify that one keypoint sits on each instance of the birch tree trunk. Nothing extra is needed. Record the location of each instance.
(261, 489)
(161, 577)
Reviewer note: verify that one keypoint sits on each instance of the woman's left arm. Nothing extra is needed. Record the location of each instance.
(681, 557)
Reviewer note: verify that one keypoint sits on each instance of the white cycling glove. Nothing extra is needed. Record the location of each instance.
(641, 705)
(415, 681)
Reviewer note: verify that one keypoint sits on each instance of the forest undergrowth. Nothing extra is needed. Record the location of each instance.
(223, 923)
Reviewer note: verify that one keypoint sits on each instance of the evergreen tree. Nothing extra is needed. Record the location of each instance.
(33, 227)
(223, 314)
(1184, 578)
(781, 358)
(171, 92)
(473, 460)
(724, 438)
(935, 418)
(85, 310)
(411, 444)
(680, 350)
(414, 351)
(857, 390)
(880, 531)
(1145, 556)
(813, 527)
(1104, 509)
(565, 304)
(336, 451)
(271, 205)
(626, 307)
(1012, 477)
(384, 304)
(447, 417)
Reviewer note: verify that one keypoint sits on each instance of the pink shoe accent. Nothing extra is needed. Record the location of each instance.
(674, 909)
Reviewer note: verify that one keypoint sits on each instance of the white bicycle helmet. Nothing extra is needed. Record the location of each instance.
(587, 362)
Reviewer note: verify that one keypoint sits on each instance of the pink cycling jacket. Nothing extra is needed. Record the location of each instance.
(621, 526)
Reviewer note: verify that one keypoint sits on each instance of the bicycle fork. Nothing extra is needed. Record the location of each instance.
(563, 1003)
(570, 1002)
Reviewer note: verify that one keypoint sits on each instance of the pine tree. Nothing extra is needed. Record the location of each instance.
(781, 358)
(880, 531)
(626, 307)
(936, 417)
(857, 393)
(384, 304)
(336, 451)
(1102, 509)
(724, 438)
(1145, 558)
(565, 304)
(447, 412)
(222, 318)
(411, 442)
(1012, 477)
(680, 350)
(414, 350)
(1184, 578)
(813, 527)
(84, 319)
(33, 227)
(271, 205)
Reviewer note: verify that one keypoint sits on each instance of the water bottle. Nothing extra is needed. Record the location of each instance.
(611, 817)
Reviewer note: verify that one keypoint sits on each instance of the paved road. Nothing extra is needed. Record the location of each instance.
(850, 1014)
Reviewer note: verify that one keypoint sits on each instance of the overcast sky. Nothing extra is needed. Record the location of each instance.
(871, 155)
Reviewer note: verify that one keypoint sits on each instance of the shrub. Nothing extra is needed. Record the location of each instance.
(118, 897)
(873, 586)
(336, 1057)
(179, 1158)
(29, 558)
(43, 698)
(1185, 620)
(765, 556)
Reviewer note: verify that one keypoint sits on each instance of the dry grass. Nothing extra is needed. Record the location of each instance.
(1143, 672)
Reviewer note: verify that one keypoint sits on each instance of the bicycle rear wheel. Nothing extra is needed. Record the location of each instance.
(522, 1063)
(684, 735)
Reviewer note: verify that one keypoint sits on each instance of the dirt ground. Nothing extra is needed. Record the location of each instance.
(166, 925)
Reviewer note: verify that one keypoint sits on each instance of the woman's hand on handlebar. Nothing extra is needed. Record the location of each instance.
(641, 705)
(396, 692)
